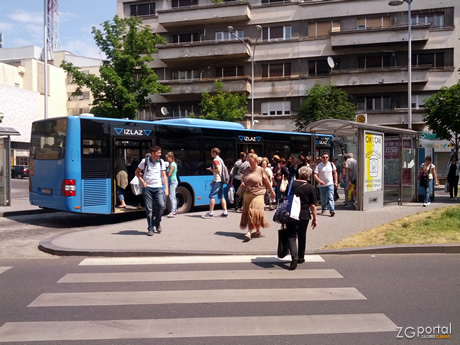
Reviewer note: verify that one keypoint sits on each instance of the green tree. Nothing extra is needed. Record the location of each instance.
(125, 80)
(324, 101)
(442, 114)
(224, 106)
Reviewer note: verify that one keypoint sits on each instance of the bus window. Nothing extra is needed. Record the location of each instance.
(48, 139)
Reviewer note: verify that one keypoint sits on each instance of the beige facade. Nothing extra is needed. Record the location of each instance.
(367, 41)
(22, 92)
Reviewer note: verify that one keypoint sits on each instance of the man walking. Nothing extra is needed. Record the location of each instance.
(153, 178)
(352, 173)
(326, 177)
(217, 186)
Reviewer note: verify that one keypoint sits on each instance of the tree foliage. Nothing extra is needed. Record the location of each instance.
(125, 80)
(224, 106)
(442, 114)
(324, 101)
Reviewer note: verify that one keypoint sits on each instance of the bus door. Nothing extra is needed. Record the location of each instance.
(127, 154)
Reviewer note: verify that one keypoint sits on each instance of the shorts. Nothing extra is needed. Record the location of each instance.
(217, 190)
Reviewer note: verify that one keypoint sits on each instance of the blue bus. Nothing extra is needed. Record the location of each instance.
(72, 158)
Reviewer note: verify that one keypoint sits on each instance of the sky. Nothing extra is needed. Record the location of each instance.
(21, 22)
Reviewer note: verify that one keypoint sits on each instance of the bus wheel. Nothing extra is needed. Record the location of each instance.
(184, 200)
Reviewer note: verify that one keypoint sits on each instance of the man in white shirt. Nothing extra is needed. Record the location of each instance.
(326, 177)
(153, 179)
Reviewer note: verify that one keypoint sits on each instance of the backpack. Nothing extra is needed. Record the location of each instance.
(224, 175)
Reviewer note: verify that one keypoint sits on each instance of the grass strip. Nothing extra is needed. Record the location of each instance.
(439, 226)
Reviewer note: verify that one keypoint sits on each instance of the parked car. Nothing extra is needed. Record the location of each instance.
(20, 171)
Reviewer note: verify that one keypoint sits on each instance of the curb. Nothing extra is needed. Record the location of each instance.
(25, 212)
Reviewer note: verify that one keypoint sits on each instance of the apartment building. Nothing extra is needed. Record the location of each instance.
(360, 45)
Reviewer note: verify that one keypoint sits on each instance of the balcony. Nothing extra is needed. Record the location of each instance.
(204, 51)
(379, 76)
(192, 89)
(378, 36)
(223, 14)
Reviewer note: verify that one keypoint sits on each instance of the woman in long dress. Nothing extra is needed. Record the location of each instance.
(255, 183)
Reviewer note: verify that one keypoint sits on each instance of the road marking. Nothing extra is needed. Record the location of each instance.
(197, 275)
(4, 268)
(194, 296)
(161, 260)
(195, 327)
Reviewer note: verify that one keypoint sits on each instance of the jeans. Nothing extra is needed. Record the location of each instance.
(120, 194)
(427, 190)
(327, 195)
(154, 206)
(172, 195)
(453, 186)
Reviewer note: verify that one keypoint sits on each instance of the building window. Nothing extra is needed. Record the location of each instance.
(379, 61)
(229, 71)
(227, 36)
(434, 60)
(321, 29)
(277, 33)
(184, 110)
(186, 74)
(318, 67)
(276, 108)
(372, 22)
(143, 9)
(183, 3)
(374, 103)
(433, 19)
(183, 38)
(276, 70)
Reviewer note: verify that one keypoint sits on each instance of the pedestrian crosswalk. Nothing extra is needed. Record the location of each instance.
(124, 286)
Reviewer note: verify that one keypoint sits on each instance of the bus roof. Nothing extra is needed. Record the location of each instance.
(200, 123)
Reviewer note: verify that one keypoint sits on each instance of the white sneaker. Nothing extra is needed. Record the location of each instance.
(428, 203)
(424, 204)
(208, 215)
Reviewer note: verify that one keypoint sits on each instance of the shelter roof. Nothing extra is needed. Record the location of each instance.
(344, 127)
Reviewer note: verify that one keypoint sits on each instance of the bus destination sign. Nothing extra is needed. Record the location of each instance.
(133, 132)
(249, 139)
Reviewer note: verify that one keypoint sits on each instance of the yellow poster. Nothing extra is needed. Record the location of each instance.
(373, 160)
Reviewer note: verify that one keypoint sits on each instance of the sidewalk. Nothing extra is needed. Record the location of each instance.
(189, 234)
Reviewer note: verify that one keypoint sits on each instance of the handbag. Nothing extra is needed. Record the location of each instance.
(289, 210)
(231, 195)
(283, 244)
(136, 186)
(446, 187)
(283, 184)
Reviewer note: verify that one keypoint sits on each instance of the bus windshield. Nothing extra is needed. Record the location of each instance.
(48, 139)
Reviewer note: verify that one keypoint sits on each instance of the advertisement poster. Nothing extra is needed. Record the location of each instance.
(373, 161)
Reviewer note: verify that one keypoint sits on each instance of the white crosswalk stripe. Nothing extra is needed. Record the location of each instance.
(4, 269)
(195, 275)
(218, 259)
(195, 327)
(103, 294)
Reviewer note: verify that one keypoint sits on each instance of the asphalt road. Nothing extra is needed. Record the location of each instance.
(350, 299)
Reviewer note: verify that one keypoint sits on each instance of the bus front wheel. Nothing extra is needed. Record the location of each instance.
(184, 200)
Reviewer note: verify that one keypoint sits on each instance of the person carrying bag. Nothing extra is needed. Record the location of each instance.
(296, 230)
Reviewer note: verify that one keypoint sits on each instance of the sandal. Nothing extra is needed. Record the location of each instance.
(256, 234)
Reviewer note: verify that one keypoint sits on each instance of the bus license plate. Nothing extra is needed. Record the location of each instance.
(47, 190)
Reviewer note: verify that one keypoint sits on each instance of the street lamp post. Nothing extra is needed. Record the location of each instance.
(409, 58)
(231, 30)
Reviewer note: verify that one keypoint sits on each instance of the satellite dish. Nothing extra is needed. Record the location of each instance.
(164, 111)
(330, 62)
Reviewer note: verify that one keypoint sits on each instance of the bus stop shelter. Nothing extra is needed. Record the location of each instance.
(386, 157)
(5, 164)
